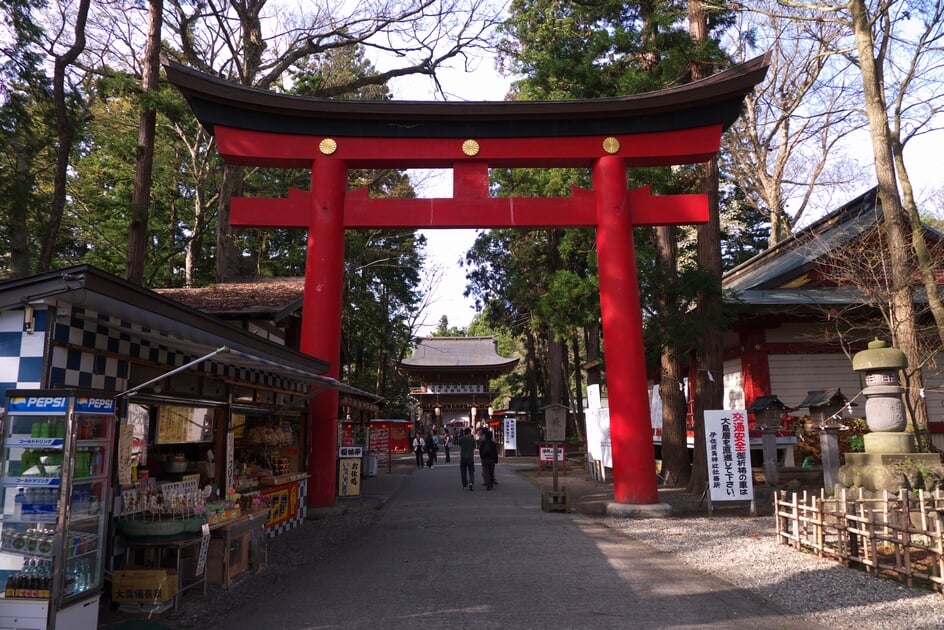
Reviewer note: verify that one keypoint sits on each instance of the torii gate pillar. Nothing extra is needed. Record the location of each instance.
(634, 479)
(321, 321)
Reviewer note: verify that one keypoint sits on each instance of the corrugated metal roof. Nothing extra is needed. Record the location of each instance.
(798, 253)
(801, 297)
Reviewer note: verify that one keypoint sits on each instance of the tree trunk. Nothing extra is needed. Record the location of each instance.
(674, 447)
(902, 320)
(383, 330)
(23, 181)
(533, 406)
(923, 255)
(709, 362)
(594, 360)
(579, 417)
(227, 255)
(144, 159)
(555, 368)
(65, 133)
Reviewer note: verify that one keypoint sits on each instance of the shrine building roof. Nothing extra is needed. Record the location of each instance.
(456, 354)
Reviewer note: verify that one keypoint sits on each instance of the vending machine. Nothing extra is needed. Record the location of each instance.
(55, 482)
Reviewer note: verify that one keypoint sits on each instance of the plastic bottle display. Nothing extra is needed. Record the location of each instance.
(83, 463)
(39, 505)
(80, 501)
(40, 463)
(96, 462)
(18, 504)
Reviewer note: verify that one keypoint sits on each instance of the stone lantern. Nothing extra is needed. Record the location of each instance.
(884, 407)
(825, 407)
(768, 412)
(768, 417)
(889, 462)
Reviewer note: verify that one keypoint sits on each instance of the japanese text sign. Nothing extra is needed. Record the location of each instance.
(729, 455)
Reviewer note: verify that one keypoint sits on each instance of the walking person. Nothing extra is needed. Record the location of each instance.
(467, 459)
(419, 445)
(447, 444)
(488, 453)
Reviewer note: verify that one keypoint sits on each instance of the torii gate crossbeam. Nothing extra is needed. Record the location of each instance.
(677, 126)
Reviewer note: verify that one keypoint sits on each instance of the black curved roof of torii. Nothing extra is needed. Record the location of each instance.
(714, 100)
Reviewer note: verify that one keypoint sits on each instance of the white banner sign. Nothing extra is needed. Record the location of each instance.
(729, 455)
(511, 434)
(598, 436)
(204, 548)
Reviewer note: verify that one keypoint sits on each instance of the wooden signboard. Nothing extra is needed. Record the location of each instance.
(555, 418)
(349, 477)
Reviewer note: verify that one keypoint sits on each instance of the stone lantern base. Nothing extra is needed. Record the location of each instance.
(881, 442)
(878, 472)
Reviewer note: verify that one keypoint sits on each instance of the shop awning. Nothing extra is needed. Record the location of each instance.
(161, 320)
(224, 354)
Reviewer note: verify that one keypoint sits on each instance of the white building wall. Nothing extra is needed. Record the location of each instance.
(793, 376)
(934, 392)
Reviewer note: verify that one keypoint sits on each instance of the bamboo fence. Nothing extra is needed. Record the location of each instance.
(895, 536)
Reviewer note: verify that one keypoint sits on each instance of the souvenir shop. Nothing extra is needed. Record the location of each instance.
(202, 455)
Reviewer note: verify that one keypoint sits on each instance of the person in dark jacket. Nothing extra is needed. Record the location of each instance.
(467, 459)
(488, 453)
(431, 448)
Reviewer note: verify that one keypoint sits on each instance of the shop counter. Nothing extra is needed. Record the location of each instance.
(233, 546)
(236, 546)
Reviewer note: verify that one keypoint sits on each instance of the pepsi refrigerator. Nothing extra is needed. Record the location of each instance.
(56, 484)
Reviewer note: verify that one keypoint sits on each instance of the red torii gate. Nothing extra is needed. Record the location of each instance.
(681, 125)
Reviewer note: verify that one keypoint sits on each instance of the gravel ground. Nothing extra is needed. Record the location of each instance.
(740, 549)
(744, 550)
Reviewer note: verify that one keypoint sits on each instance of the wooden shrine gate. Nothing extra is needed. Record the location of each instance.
(681, 125)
